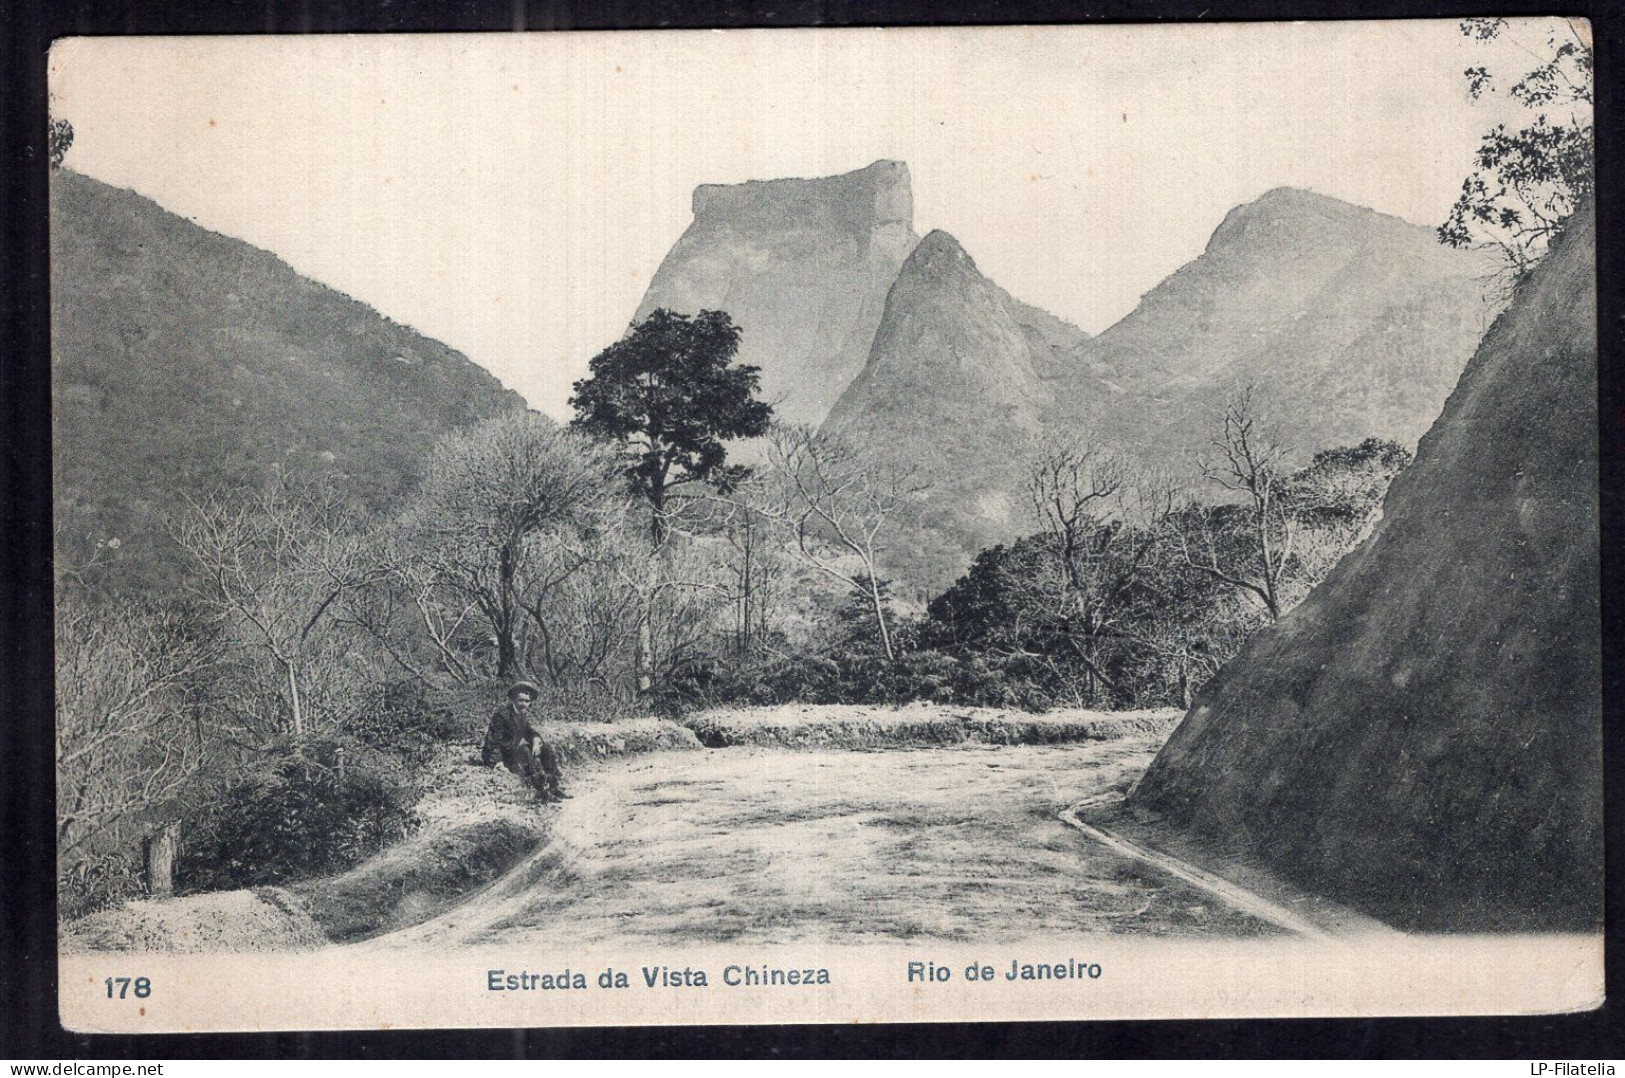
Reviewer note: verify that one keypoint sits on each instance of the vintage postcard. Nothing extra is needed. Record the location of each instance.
(858, 525)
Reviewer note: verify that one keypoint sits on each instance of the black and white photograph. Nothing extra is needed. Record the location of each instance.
(826, 525)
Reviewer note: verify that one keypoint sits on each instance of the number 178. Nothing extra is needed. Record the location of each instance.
(142, 986)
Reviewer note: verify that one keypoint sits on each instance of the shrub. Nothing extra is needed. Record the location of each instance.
(96, 882)
(849, 675)
(299, 815)
(405, 718)
(811, 678)
(925, 675)
(594, 701)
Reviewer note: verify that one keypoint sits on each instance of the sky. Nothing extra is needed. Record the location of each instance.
(513, 194)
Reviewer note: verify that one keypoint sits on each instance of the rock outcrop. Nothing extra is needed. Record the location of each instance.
(1421, 738)
(803, 266)
(1347, 323)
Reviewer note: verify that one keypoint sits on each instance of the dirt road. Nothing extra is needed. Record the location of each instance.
(762, 845)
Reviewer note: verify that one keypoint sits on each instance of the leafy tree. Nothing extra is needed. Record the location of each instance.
(1188, 624)
(292, 817)
(1002, 614)
(1332, 504)
(990, 599)
(1016, 616)
(670, 393)
(1526, 182)
(1281, 530)
(1340, 491)
(59, 139)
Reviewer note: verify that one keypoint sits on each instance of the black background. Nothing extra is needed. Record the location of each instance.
(28, 1022)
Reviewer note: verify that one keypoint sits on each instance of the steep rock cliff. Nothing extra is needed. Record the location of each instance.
(1421, 738)
(951, 393)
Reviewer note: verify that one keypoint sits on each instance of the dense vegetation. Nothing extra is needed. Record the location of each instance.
(282, 709)
(1131, 597)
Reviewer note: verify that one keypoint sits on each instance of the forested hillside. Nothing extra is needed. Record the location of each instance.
(184, 360)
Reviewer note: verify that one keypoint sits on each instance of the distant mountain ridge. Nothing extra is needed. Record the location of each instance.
(1347, 323)
(1350, 322)
(183, 360)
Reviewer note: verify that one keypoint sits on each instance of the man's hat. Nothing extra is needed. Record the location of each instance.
(526, 687)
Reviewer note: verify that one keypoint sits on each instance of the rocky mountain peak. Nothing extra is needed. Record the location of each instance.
(941, 299)
(940, 258)
(950, 395)
(802, 266)
(1353, 323)
(1287, 215)
(1356, 323)
(940, 248)
(878, 198)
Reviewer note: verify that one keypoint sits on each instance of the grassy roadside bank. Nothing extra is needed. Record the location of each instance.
(479, 823)
(849, 726)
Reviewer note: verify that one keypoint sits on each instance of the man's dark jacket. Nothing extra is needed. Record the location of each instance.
(508, 738)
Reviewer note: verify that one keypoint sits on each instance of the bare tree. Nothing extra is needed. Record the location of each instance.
(500, 512)
(580, 601)
(411, 615)
(751, 565)
(273, 566)
(1103, 520)
(1068, 486)
(1248, 460)
(834, 508)
(127, 740)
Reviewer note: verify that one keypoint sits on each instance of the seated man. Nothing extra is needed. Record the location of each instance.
(512, 739)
